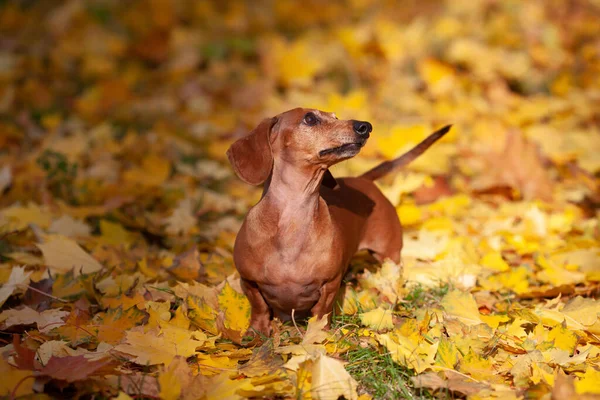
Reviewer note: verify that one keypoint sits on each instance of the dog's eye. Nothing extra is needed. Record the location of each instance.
(310, 119)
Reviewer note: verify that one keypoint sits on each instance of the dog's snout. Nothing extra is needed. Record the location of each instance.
(362, 128)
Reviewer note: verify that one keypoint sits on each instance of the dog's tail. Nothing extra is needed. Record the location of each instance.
(389, 166)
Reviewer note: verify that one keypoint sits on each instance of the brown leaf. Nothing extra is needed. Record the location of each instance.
(428, 194)
(37, 293)
(519, 166)
(454, 382)
(74, 368)
(24, 357)
(187, 267)
(76, 329)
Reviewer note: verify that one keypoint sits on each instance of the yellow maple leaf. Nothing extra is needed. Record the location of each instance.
(589, 382)
(114, 285)
(158, 312)
(124, 302)
(315, 330)
(522, 369)
(202, 313)
(387, 280)
(170, 380)
(563, 338)
(447, 354)
(236, 308)
(62, 255)
(408, 347)
(330, 380)
(377, 319)
(542, 372)
(159, 347)
(180, 318)
(112, 325)
(222, 387)
(304, 379)
(585, 311)
(462, 306)
(478, 367)
(494, 320)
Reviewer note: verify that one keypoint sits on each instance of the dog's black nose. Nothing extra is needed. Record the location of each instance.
(362, 128)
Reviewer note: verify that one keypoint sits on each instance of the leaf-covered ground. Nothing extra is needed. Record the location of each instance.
(118, 210)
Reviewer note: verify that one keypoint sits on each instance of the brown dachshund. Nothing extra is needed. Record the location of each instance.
(295, 245)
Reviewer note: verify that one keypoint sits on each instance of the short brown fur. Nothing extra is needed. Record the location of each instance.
(295, 245)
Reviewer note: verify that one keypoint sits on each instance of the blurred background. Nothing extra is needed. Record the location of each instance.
(126, 108)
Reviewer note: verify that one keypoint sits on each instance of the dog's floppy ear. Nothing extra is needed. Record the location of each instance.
(251, 156)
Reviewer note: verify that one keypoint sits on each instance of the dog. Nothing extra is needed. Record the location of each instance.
(295, 244)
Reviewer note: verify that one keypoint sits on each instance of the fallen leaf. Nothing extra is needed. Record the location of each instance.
(451, 381)
(11, 377)
(330, 380)
(315, 332)
(236, 308)
(377, 319)
(73, 368)
(187, 266)
(519, 166)
(158, 347)
(62, 254)
(45, 320)
(589, 382)
(462, 306)
(17, 283)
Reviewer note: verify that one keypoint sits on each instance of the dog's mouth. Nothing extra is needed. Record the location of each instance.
(343, 150)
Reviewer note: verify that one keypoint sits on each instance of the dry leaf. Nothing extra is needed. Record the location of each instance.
(17, 282)
(518, 166)
(62, 255)
(45, 320)
(330, 380)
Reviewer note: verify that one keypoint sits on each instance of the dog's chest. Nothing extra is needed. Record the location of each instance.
(296, 249)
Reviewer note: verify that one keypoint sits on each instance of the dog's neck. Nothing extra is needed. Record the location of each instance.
(291, 186)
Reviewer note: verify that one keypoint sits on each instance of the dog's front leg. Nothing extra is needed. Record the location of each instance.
(325, 304)
(261, 314)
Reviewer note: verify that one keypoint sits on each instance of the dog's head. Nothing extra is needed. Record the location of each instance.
(301, 137)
